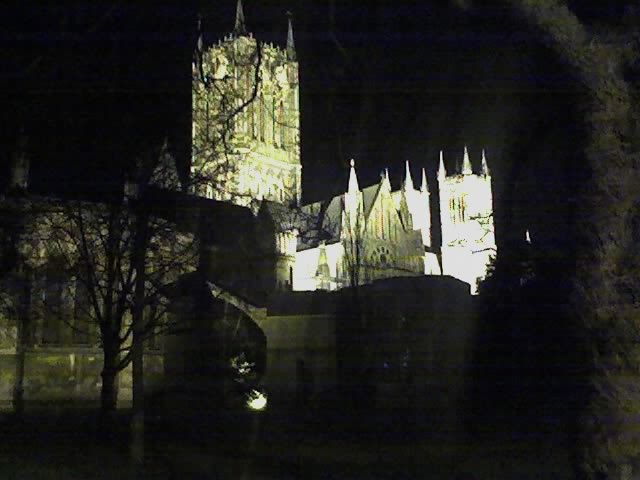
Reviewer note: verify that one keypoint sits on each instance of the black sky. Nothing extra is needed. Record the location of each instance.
(381, 82)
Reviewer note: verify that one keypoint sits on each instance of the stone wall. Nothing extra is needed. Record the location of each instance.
(410, 337)
(301, 355)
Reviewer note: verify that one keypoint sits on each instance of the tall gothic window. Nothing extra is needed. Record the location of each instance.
(453, 210)
(252, 120)
(274, 120)
(281, 125)
(83, 326)
(261, 119)
(246, 96)
(52, 302)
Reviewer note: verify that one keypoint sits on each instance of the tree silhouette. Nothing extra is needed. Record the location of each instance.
(604, 61)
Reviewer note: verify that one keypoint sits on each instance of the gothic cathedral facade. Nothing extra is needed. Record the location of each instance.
(246, 150)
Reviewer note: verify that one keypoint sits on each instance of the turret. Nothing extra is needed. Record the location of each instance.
(426, 215)
(165, 173)
(353, 187)
(352, 197)
(239, 27)
(442, 171)
(485, 169)
(424, 187)
(408, 181)
(466, 163)
(291, 47)
(385, 179)
(323, 273)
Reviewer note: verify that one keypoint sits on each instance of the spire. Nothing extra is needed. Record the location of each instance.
(442, 172)
(466, 163)
(353, 179)
(239, 27)
(424, 188)
(485, 168)
(199, 42)
(408, 181)
(165, 173)
(323, 264)
(20, 164)
(291, 47)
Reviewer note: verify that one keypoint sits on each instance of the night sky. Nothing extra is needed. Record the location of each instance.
(382, 82)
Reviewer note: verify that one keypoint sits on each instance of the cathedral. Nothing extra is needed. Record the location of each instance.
(236, 246)
(246, 150)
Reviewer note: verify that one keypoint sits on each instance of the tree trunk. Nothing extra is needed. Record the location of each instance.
(109, 392)
(137, 419)
(137, 446)
(21, 343)
(18, 389)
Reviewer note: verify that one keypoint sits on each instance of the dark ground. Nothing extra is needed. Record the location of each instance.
(281, 445)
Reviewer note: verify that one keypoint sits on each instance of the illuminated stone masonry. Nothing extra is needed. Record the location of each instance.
(245, 120)
(377, 233)
(466, 217)
(246, 147)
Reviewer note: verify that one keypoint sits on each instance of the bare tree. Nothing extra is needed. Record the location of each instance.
(93, 249)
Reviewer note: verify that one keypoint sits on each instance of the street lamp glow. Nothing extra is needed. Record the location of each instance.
(256, 400)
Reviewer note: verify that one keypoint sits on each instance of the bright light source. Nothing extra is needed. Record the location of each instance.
(256, 400)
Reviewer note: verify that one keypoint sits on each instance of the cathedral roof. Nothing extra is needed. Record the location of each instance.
(282, 216)
(218, 223)
(369, 195)
(320, 221)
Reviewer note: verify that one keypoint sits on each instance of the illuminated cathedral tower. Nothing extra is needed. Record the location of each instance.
(466, 216)
(245, 119)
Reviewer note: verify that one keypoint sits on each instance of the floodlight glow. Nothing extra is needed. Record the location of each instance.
(256, 400)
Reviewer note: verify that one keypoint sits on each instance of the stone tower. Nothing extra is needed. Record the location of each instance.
(466, 216)
(245, 119)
